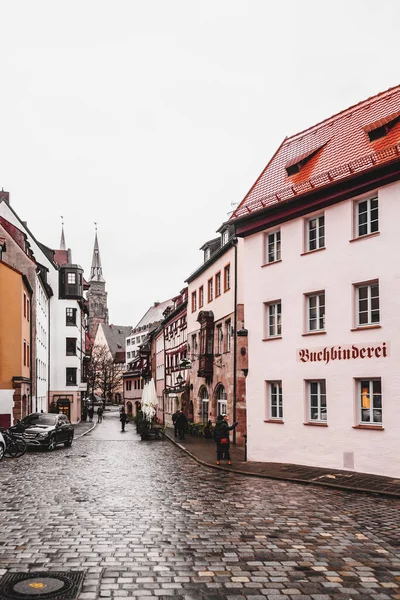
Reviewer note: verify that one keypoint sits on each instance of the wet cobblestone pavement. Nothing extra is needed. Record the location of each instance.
(142, 519)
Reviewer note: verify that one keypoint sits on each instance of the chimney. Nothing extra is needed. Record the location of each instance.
(156, 304)
(5, 196)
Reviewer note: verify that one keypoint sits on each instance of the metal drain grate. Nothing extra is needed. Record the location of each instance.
(41, 585)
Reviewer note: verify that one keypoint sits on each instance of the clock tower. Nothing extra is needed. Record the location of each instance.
(97, 295)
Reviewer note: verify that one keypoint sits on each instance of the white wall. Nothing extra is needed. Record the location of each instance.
(335, 270)
(42, 348)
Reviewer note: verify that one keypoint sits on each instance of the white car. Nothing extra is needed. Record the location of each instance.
(2, 446)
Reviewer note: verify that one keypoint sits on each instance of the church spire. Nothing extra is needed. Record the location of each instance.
(96, 272)
(62, 242)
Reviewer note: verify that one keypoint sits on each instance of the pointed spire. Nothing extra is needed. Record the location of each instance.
(62, 242)
(96, 272)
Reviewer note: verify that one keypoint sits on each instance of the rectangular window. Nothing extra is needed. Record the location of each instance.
(71, 346)
(71, 278)
(273, 319)
(227, 278)
(128, 386)
(367, 298)
(218, 285)
(71, 316)
(128, 342)
(316, 233)
(316, 312)
(24, 353)
(194, 345)
(367, 217)
(210, 290)
(194, 301)
(71, 376)
(228, 330)
(317, 409)
(28, 308)
(28, 356)
(273, 249)
(275, 400)
(370, 401)
(220, 337)
(25, 305)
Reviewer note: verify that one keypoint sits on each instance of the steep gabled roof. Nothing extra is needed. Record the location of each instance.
(332, 150)
(115, 336)
(153, 315)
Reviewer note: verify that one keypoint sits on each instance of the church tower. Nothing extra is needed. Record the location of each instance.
(97, 295)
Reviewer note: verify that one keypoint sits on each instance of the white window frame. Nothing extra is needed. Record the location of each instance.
(225, 237)
(275, 401)
(222, 403)
(273, 319)
(319, 229)
(370, 224)
(322, 411)
(71, 278)
(373, 398)
(220, 337)
(320, 311)
(369, 302)
(228, 335)
(273, 246)
(218, 284)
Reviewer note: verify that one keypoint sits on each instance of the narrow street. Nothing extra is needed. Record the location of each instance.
(143, 519)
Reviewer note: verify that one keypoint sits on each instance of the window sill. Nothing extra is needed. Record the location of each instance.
(279, 421)
(363, 327)
(274, 262)
(363, 237)
(312, 251)
(374, 427)
(316, 424)
(272, 338)
(313, 333)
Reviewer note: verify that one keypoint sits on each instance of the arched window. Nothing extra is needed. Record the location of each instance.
(222, 403)
(204, 404)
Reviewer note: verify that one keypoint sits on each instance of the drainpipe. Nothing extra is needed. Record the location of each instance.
(235, 345)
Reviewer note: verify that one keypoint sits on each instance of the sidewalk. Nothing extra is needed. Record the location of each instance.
(203, 451)
(83, 427)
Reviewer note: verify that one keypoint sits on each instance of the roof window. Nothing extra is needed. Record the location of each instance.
(380, 128)
(296, 164)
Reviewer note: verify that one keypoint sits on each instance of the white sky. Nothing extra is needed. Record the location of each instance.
(152, 116)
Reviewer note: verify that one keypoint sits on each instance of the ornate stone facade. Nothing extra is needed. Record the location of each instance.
(97, 295)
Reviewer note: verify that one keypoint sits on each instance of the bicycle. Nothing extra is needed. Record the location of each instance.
(15, 445)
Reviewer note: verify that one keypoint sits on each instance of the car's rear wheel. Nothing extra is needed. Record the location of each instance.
(68, 443)
(1, 451)
(52, 443)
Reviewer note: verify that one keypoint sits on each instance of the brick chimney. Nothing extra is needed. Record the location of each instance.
(5, 196)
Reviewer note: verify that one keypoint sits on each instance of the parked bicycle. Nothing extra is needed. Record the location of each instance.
(15, 446)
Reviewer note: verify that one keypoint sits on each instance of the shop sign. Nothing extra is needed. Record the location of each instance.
(344, 352)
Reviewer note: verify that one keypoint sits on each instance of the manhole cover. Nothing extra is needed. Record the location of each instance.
(46, 585)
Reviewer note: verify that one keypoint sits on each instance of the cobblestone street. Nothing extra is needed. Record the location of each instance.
(143, 519)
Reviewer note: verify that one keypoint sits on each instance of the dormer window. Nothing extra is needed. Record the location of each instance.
(296, 164)
(225, 237)
(207, 254)
(380, 128)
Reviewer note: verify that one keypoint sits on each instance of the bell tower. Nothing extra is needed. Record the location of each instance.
(97, 295)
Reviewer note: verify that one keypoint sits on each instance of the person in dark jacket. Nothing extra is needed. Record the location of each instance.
(181, 424)
(123, 418)
(221, 437)
(174, 420)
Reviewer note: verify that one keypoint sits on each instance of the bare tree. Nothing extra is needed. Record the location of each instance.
(103, 374)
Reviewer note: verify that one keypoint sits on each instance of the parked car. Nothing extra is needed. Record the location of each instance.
(2, 446)
(45, 430)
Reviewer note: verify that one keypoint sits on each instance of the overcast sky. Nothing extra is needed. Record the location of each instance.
(152, 117)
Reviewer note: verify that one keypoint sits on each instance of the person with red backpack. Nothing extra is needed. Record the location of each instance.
(221, 437)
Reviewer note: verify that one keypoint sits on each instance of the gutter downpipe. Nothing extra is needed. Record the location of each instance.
(235, 345)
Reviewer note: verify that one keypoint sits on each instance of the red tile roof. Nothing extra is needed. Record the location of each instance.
(331, 150)
(61, 257)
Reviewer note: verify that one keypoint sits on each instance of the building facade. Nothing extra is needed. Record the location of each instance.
(218, 357)
(15, 345)
(319, 228)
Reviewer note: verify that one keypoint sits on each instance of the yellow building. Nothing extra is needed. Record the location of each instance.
(15, 345)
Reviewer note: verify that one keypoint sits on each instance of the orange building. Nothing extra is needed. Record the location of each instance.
(15, 345)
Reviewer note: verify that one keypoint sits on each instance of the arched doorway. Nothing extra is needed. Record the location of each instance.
(129, 408)
(204, 406)
(222, 402)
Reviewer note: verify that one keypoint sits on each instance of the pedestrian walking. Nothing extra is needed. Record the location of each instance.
(207, 432)
(221, 437)
(181, 424)
(91, 413)
(99, 414)
(174, 420)
(123, 418)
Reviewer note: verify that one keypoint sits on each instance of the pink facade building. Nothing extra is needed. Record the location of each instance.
(321, 289)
